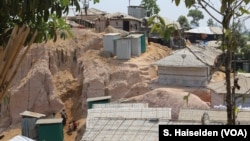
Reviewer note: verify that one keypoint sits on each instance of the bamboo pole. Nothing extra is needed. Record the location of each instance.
(16, 53)
(17, 67)
(2, 59)
(13, 50)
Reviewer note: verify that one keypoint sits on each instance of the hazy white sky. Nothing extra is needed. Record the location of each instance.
(167, 8)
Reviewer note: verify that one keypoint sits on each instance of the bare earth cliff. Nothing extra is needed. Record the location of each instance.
(63, 74)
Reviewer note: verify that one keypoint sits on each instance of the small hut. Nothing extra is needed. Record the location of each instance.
(98, 100)
(50, 129)
(28, 123)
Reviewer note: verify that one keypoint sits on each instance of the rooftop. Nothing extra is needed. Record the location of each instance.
(191, 56)
(32, 114)
(215, 115)
(129, 121)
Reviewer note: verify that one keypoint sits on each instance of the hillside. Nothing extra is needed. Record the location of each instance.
(65, 73)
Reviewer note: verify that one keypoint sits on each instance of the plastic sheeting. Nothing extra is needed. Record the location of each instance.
(21, 138)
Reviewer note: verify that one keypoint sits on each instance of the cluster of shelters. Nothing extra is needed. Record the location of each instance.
(218, 91)
(36, 126)
(134, 21)
(201, 34)
(194, 66)
(137, 121)
(124, 47)
(99, 20)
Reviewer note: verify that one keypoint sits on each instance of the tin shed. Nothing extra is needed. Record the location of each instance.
(28, 124)
(188, 67)
(109, 42)
(98, 100)
(123, 48)
(137, 11)
(143, 43)
(50, 129)
(136, 44)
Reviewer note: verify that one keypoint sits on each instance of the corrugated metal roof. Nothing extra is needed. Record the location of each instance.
(98, 98)
(215, 115)
(136, 35)
(205, 30)
(111, 34)
(121, 105)
(126, 112)
(181, 58)
(193, 56)
(32, 114)
(207, 54)
(216, 30)
(120, 15)
(126, 122)
(129, 123)
(220, 87)
(49, 121)
(92, 12)
(113, 129)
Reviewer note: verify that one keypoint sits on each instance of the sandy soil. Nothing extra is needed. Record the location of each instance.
(153, 52)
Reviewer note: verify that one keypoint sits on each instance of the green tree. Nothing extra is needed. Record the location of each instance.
(38, 15)
(196, 15)
(210, 22)
(151, 7)
(231, 11)
(24, 22)
(159, 26)
(183, 21)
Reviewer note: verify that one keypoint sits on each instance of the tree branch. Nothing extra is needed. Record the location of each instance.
(237, 5)
(203, 6)
(210, 6)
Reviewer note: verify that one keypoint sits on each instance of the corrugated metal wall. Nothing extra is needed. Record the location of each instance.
(29, 128)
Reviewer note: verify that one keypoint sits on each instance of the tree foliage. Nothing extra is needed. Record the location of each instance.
(210, 22)
(151, 6)
(183, 21)
(159, 26)
(24, 22)
(44, 16)
(196, 16)
(230, 11)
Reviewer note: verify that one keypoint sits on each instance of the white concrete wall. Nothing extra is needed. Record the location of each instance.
(100, 25)
(178, 76)
(134, 26)
(116, 24)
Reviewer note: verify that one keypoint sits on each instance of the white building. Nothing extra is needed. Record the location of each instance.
(190, 67)
(218, 91)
